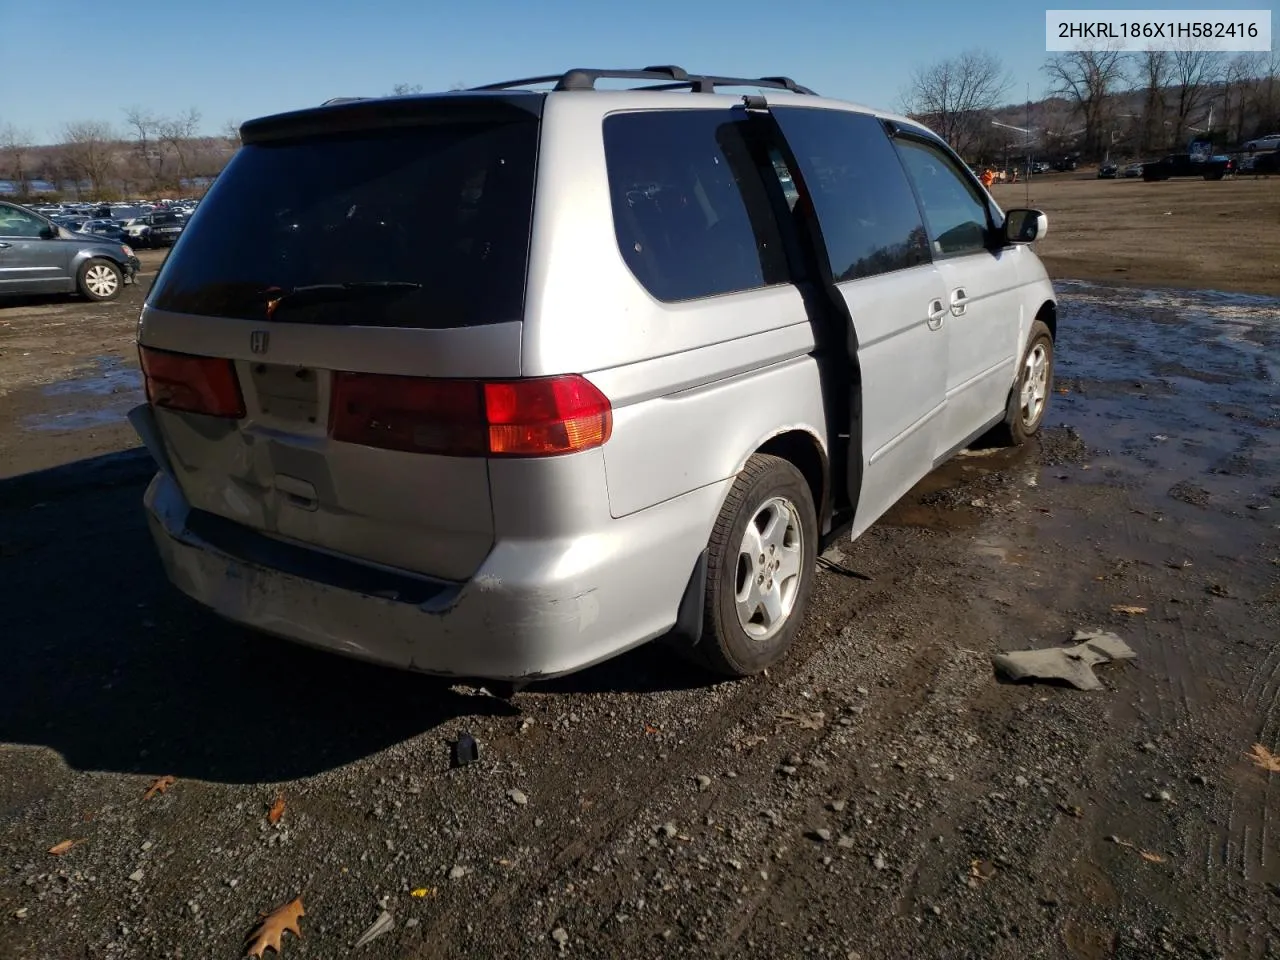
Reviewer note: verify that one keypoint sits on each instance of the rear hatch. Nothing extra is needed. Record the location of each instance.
(316, 342)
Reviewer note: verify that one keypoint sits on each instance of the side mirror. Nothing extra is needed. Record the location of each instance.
(1024, 226)
(49, 232)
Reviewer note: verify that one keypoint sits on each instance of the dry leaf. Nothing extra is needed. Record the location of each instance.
(1264, 759)
(982, 869)
(423, 892)
(650, 728)
(1125, 608)
(276, 811)
(58, 849)
(1151, 857)
(272, 926)
(159, 785)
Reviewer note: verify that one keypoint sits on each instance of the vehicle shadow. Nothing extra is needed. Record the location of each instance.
(38, 299)
(109, 665)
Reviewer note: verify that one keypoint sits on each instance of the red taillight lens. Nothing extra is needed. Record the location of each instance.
(532, 418)
(464, 418)
(180, 381)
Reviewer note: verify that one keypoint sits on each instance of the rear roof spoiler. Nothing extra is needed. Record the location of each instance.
(349, 114)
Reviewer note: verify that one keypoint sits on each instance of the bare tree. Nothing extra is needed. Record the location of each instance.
(1087, 77)
(149, 151)
(1193, 73)
(178, 133)
(956, 96)
(400, 89)
(15, 146)
(1237, 77)
(1153, 73)
(231, 134)
(87, 148)
(1266, 95)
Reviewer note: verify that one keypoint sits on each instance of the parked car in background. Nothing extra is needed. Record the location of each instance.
(39, 256)
(159, 228)
(386, 424)
(1107, 171)
(1133, 170)
(108, 229)
(1261, 144)
(1263, 164)
(1186, 165)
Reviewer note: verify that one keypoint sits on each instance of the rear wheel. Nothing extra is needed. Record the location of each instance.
(100, 280)
(760, 568)
(1029, 398)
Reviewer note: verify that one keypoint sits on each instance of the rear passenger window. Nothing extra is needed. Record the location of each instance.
(864, 205)
(953, 205)
(690, 209)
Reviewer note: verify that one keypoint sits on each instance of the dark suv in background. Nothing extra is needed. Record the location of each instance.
(39, 256)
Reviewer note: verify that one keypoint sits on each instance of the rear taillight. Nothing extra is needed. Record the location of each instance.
(466, 418)
(180, 381)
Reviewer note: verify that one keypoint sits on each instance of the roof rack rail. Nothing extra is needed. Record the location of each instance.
(333, 100)
(676, 78)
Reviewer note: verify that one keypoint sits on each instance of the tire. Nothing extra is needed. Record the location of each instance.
(768, 492)
(1018, 426)
(99, 280)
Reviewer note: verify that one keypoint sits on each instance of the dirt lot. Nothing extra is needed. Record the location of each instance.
(1179, 233)
(880, 795)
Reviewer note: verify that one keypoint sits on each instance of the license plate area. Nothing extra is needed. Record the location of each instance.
(286, 392)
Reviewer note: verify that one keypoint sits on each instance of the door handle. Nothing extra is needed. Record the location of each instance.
(5, 246)
(959, 301)
(936, 312)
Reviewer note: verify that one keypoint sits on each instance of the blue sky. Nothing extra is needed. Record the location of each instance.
(235, 59)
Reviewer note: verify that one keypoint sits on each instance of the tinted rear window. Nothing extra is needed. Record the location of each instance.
(441, 214)
(691, 211)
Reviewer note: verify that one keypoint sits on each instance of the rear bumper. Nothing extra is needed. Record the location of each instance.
(536, 608)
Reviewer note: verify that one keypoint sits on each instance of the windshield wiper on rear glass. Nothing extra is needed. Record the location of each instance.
(332, 292)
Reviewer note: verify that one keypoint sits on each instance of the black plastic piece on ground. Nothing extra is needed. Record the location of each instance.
(465, 750)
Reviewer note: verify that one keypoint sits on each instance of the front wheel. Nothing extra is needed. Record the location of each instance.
(100, 280)
(760, 568)
(1029, 398)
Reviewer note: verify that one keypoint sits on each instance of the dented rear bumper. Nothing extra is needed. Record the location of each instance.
(536, 608)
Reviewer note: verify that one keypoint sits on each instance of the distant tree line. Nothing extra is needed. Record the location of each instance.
(1099, 101)
(148, 155)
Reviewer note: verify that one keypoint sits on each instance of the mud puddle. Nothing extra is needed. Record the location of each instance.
(1176, 392)
(99, 397)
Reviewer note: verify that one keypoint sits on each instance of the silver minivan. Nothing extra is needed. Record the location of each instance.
(499, 383)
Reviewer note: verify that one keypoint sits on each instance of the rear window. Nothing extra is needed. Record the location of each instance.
(691, 211)
(423, 227)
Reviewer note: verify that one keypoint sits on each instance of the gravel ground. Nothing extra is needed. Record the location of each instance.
(880, 794)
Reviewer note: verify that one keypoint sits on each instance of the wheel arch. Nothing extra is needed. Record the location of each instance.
(806, 453)
(1048, 315)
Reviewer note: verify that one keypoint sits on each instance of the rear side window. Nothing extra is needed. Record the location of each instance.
(690, 209)
(869, 218)
(424, 227)
(953, 205)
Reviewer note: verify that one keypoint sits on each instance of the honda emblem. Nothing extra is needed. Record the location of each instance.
(258, 341)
